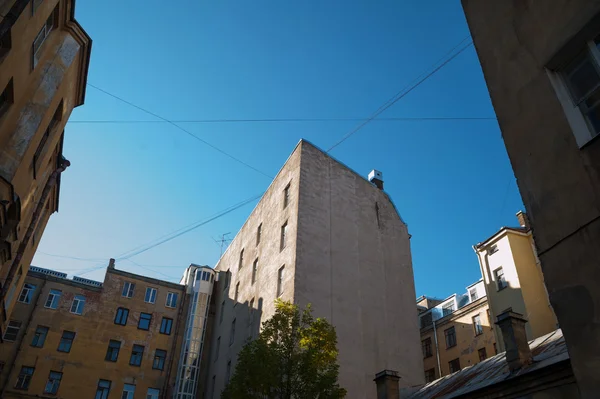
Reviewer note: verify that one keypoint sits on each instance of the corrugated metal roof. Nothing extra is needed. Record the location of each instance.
(546, 350)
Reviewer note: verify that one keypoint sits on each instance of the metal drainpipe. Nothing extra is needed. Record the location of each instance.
(64, 164)
(12, 361)
(163, 394)
(437, 348)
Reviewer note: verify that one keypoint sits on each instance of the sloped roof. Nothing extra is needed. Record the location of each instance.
(546, 350)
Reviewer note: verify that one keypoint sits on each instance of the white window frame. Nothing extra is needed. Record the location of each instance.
(582, 131)
(80, 299)
(38, 43)
(153, 393)
(153, 293)
(28, 289)
(169, 300)
(128, 391)
(12, 326)
(54, 298)
(473, 293)
(128, 289)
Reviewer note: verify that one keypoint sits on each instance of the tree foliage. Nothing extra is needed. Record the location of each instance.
(295, 357)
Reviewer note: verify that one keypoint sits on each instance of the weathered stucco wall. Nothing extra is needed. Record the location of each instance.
(559, 182)
(354, 266)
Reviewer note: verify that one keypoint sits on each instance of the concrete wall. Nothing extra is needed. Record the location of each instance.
(559, 182)
(467, 342)
(354, 266)
(86, 364)
(58, 76)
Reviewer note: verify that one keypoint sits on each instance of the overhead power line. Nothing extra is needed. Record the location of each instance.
(287, 120)
(182, 129)
(183, 231)
(402, 93)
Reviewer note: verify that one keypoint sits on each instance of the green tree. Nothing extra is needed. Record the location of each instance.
(295, 357)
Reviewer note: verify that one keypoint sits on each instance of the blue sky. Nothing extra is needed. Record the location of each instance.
(130, 183)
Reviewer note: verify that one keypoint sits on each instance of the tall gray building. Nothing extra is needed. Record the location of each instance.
(321, 234)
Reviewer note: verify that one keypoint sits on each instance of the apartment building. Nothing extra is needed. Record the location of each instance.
(130, 336)
(44, 58)
(514, 280)
(321, 234)
(541, 64)
(455, 332)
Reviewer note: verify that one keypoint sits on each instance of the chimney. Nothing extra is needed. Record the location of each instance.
(523, 219)
(111, 263)
(518, 353)
(376, 177)
(387, 384)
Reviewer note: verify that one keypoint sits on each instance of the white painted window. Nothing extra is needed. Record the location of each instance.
(473, 294)
(128, 391)
(78, 304)
(53, 298)
(27, 293)
(280, 280)
(153, 393)
(150, 295)
(492, 249)
(128, 289)
(171, 300)
(12, 330)
(500, 280)
(577, 85)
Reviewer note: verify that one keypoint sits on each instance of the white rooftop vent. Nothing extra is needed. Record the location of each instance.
(87, 281)
(48, 272)
(376, 177)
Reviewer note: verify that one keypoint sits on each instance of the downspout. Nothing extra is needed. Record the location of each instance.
(163, 394)
(64, 164)
(14, 357)
(437, 348)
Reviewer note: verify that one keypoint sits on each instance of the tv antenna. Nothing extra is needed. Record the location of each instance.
(222, 241)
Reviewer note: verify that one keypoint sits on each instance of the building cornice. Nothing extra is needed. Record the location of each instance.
(81, 36)
(457, 313)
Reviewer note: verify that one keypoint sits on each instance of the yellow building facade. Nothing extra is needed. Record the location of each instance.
(513, 279)
(455, 332)
(77, 338)
(44, 59)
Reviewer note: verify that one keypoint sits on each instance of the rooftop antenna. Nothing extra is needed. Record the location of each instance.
(222, 241)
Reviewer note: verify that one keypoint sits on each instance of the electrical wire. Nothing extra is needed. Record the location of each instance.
(182, 129)
(95, 260)
(402, 94)
(286, 120)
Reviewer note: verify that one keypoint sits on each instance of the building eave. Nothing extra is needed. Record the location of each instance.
(502, 232)
(86, 43)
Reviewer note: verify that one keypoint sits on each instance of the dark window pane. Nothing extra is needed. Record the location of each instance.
(165, 326)
(582, 77)
(39, 337)
(145, 319)
(66, 341)
(112, 353)
(136, 355)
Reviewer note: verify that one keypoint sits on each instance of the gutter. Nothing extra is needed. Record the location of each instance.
(437, 350)
(184, 295)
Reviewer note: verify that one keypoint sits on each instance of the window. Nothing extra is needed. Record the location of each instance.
(128, 391)
(477, 325)
(102, 390)
(7, 96)
(258, 233)
(43, 34)
(429, 375)
(128, 289)
(495, 349)
(286, 196)
(492, 250)
(450, 334)
(482, 354)
(171, 300)
(280, 280)
(251, 317)
(232, 333)
(454, 365)
(237, 293)
(77, 305)
(228, 372)
(53, 298)
(66, 341)
(24, 378)
(473, 294)
(145, 319)
(53, 382)
(136, 355)
(39, 337)
(283, 236)
(165, 325)
(241, 262)
(150, 295)
(159, 359)
(426, 347)
(222, 312)
(500, 280)
(226, 284)
(218, 348)
(12, 330)
(5, 44)
(448, 308)
(489, 316)
(153, 393)
(112, 353)
(254, 270)
(56, 118)
(121, 316)
(27, 293)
